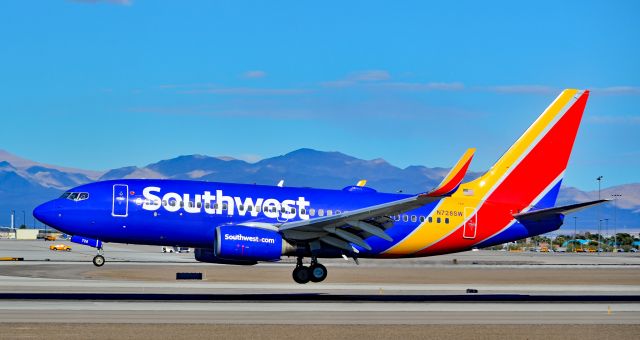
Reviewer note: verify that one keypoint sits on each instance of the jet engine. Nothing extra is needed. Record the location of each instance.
(244, 245)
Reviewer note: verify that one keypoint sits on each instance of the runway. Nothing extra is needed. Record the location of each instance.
(137, 287)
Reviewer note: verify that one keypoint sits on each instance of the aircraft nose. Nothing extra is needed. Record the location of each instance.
(45, 213)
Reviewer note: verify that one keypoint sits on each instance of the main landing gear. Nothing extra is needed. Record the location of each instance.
(314, 273)
(98, 260)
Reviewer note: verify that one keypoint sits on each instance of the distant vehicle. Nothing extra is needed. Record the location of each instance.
(167, 249)
(243, 224)
(61, 247)
(50, 238)
(633, 250)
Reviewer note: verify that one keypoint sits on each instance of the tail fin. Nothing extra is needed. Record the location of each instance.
(530, 172)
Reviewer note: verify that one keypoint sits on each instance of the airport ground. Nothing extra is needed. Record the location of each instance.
(519, 296)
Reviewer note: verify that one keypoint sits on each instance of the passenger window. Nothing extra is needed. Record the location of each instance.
(446, 220)
(329, 212)
(215, 206)
(293, 210)
(430, 219)
(338, 212)
(320, 212)
(190, 204)
(206, 205)
(312, 212)
(405, 218)
(397, 217)
(241, 207)
(249, 208)
(164, 203)
(439, 220)
(421, 218)
(266, 209)
(303, 211)
(73, 196)
(199, 205)
(224, 206)
(172, 203)
(181, 204)
(413, 218)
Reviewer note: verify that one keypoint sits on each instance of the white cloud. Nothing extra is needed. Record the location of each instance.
(359, 77)
(433, 86)
(622, 120)
(535, 89)
(254, 74)
(371, 75)
(115, 2)
(248, 90)
(634, 90)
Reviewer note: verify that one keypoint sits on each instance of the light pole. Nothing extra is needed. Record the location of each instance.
(599, 236)
(24, 219)
(615, 221)
(575, 232)
(599, 179)
(606, 221)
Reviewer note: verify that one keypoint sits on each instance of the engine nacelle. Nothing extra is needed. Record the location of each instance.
(209, 256)
(242, 243)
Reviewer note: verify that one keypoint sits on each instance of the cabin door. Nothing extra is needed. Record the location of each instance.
(471, 224)
(120, 207)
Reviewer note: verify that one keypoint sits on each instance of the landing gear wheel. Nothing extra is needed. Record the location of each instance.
(301, 274)
(98, 260)
(318, 272)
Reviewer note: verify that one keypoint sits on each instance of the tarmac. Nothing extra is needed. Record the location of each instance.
(461, 295)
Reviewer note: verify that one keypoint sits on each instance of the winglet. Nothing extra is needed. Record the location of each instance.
(453, 179)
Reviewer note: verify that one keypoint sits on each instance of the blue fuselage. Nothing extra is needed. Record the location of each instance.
(186, 213)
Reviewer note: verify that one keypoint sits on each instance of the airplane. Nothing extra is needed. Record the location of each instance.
(243, 224)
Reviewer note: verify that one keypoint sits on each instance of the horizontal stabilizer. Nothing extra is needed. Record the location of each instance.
(566, 209)
(455, 176)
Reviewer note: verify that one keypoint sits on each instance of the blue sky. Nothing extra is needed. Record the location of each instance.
(104, 84)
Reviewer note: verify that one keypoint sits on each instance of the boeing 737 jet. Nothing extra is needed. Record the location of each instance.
(243, 224)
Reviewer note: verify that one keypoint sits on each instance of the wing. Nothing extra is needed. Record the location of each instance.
(372, 220)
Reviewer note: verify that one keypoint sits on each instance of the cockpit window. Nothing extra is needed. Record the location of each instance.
(75, 196)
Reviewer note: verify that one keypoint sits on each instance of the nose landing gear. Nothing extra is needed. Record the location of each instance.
(98, 260)
(314, 273)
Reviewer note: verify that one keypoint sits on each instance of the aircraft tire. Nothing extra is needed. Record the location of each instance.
(98, 260)
(301, 275)
(317, 272)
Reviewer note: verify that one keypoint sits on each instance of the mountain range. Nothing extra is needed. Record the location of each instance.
(25, 183)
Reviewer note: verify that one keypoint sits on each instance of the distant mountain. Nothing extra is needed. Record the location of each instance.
(25, 183)
(23, 163)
